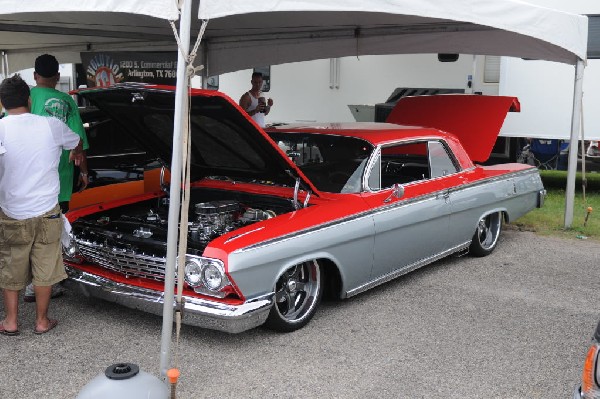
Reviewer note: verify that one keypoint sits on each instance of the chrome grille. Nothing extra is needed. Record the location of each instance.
(125, 261)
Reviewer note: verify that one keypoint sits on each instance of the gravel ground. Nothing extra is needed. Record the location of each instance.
(513, 325)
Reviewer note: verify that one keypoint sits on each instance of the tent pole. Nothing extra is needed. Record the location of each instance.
(205, 71)
(181, 91)
(4, 65)
(473, 72)
(573, 143)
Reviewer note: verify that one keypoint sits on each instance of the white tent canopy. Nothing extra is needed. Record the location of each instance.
(65, 28)
(243, 34)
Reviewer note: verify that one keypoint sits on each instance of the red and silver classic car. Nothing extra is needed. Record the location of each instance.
(590, 379)
(278, 219)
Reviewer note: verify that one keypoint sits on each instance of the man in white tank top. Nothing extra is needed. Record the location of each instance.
(254, 103)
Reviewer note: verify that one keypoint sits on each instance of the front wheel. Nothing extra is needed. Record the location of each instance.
(486, 235)
(297, 295)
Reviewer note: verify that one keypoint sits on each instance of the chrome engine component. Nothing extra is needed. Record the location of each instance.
(255, 215)
(220, 214)
(218, 217)
(213, 219)
(153, 217)
(142, 232)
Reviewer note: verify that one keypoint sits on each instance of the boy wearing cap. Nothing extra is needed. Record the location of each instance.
(47, 101)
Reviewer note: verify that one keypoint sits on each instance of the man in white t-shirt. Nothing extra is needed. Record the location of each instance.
(30, 218)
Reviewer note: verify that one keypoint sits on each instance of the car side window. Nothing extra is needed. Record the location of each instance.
(399, 163)
(440, 161)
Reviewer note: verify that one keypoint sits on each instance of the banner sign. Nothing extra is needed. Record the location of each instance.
(104, 69)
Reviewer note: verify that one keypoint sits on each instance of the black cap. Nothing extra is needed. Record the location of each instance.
(46, 65)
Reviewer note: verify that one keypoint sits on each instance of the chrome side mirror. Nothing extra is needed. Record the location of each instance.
(397, 192)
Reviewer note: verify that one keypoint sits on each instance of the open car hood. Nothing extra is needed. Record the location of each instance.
(225, 143)
(476, 120)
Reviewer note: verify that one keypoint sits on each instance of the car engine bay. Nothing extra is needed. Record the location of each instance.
(140, 229)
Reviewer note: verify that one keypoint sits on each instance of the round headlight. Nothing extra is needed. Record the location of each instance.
(193, 273)
(212, 277)
(71, 250)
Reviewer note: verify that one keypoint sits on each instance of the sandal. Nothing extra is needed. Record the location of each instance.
(51, 324)
(6, 332)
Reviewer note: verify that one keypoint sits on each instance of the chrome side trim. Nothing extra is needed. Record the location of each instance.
(496, 178)
(383, 209)
(337, 222)
(197, 312)
(235, 237)
(399, 272)
(369, 168)
(124, 154)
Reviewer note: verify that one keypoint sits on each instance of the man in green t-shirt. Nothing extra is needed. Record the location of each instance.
(47, 101)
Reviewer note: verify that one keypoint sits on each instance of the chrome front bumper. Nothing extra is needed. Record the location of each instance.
(198, 312)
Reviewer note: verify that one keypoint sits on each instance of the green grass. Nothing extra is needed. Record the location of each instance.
(549, 220)
(558, 179)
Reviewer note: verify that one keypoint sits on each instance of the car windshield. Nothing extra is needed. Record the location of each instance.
(333, 164)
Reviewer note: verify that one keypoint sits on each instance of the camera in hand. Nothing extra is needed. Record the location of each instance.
(262, 105)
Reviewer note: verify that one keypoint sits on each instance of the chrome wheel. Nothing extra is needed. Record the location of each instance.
(297, 295)
(486, 235)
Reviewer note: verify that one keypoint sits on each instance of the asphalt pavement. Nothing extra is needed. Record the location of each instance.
(516, 324)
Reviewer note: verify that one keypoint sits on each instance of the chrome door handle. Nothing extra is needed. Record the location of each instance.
(445, 195)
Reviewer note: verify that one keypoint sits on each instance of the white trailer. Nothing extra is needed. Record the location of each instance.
(304, 91)
(323, 90)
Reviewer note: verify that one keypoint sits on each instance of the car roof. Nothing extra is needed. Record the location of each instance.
(372, 132)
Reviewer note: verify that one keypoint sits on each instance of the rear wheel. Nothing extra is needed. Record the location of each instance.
(298, 293)
(486, 235)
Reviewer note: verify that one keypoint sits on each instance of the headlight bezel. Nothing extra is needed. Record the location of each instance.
(201, 285)
(71, 252)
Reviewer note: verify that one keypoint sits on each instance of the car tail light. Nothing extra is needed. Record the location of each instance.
(591, 375)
